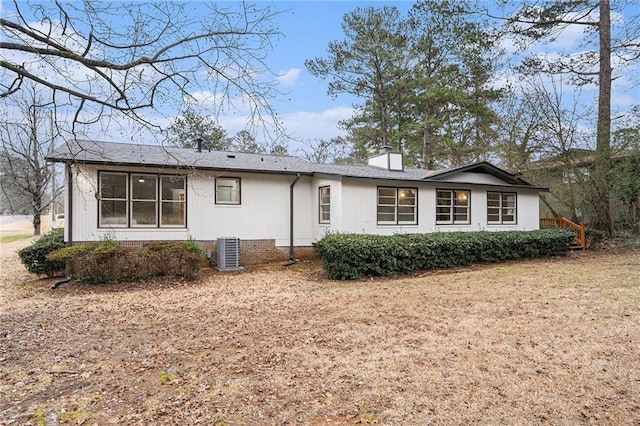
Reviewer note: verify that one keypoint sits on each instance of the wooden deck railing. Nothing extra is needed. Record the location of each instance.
(563, 223)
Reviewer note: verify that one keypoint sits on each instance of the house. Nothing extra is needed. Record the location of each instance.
(568, 176)
(277, 206)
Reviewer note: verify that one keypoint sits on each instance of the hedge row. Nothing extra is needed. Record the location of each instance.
(108, 261)
(352, 256)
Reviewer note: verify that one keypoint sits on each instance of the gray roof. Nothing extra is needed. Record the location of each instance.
(91, 152)
(123, 154)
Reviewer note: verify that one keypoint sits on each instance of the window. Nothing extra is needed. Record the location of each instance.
(501, 208)
(172, 207)
(131, 200)
(325, 204)
(144, 200)
(580, 174)
(114, 197)
(452, 207)
(397, 206)
(227, 191)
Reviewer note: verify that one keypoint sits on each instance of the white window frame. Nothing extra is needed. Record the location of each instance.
(457, 196)
(238, 191)
(324, 207)
(397, 206)
(503, 209)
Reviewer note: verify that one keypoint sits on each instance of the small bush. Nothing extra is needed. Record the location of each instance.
(34, 257)
(351, 256)
(594, 237)
(108, 261)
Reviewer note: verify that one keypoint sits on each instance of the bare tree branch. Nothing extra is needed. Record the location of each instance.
(124, 59)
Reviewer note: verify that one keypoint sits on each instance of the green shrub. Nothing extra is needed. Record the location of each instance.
(107, 261)
(351, 256)
(34, 257)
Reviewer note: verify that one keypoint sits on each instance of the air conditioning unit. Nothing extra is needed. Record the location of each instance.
(228, 254)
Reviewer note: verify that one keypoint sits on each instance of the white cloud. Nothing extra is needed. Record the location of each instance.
(299, 125)
(316, 125)
(289, 77)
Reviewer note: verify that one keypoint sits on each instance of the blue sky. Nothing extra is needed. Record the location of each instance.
(307, 28)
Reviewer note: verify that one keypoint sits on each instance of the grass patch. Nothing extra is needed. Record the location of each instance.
(13, 238)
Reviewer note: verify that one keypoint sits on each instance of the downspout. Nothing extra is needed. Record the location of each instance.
(68, 218)
(292, 254)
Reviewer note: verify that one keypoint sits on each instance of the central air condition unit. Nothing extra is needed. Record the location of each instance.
(228, 254)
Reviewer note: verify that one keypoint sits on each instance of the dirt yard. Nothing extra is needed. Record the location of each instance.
(532, 342)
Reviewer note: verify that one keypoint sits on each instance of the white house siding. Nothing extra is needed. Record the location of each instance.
(263, 213)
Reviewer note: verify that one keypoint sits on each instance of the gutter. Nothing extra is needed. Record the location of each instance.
(68, 218)
(292, 254)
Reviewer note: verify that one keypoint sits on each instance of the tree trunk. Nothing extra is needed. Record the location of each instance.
(427, 151)
(36, 223)
(602, 167)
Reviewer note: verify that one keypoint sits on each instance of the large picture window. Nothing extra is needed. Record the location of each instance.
(397, 206)
(227, 190)
(324, 202)
(452, 207)
(131, 200)
(501, 208)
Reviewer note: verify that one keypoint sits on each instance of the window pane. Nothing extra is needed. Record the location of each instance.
(386, 214)
(406, 215)
(443, 198)
(443, 217)
(172, 188)
(493, 199)
(228, 191)
(325, 215)
(407, 197)
(461, 214)
(325, 194)
(173, 213)
(387, 196)
(508, 200)
(113, 185)
(113, 212)
(462, 198)
(143, 213)
(143, 187)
